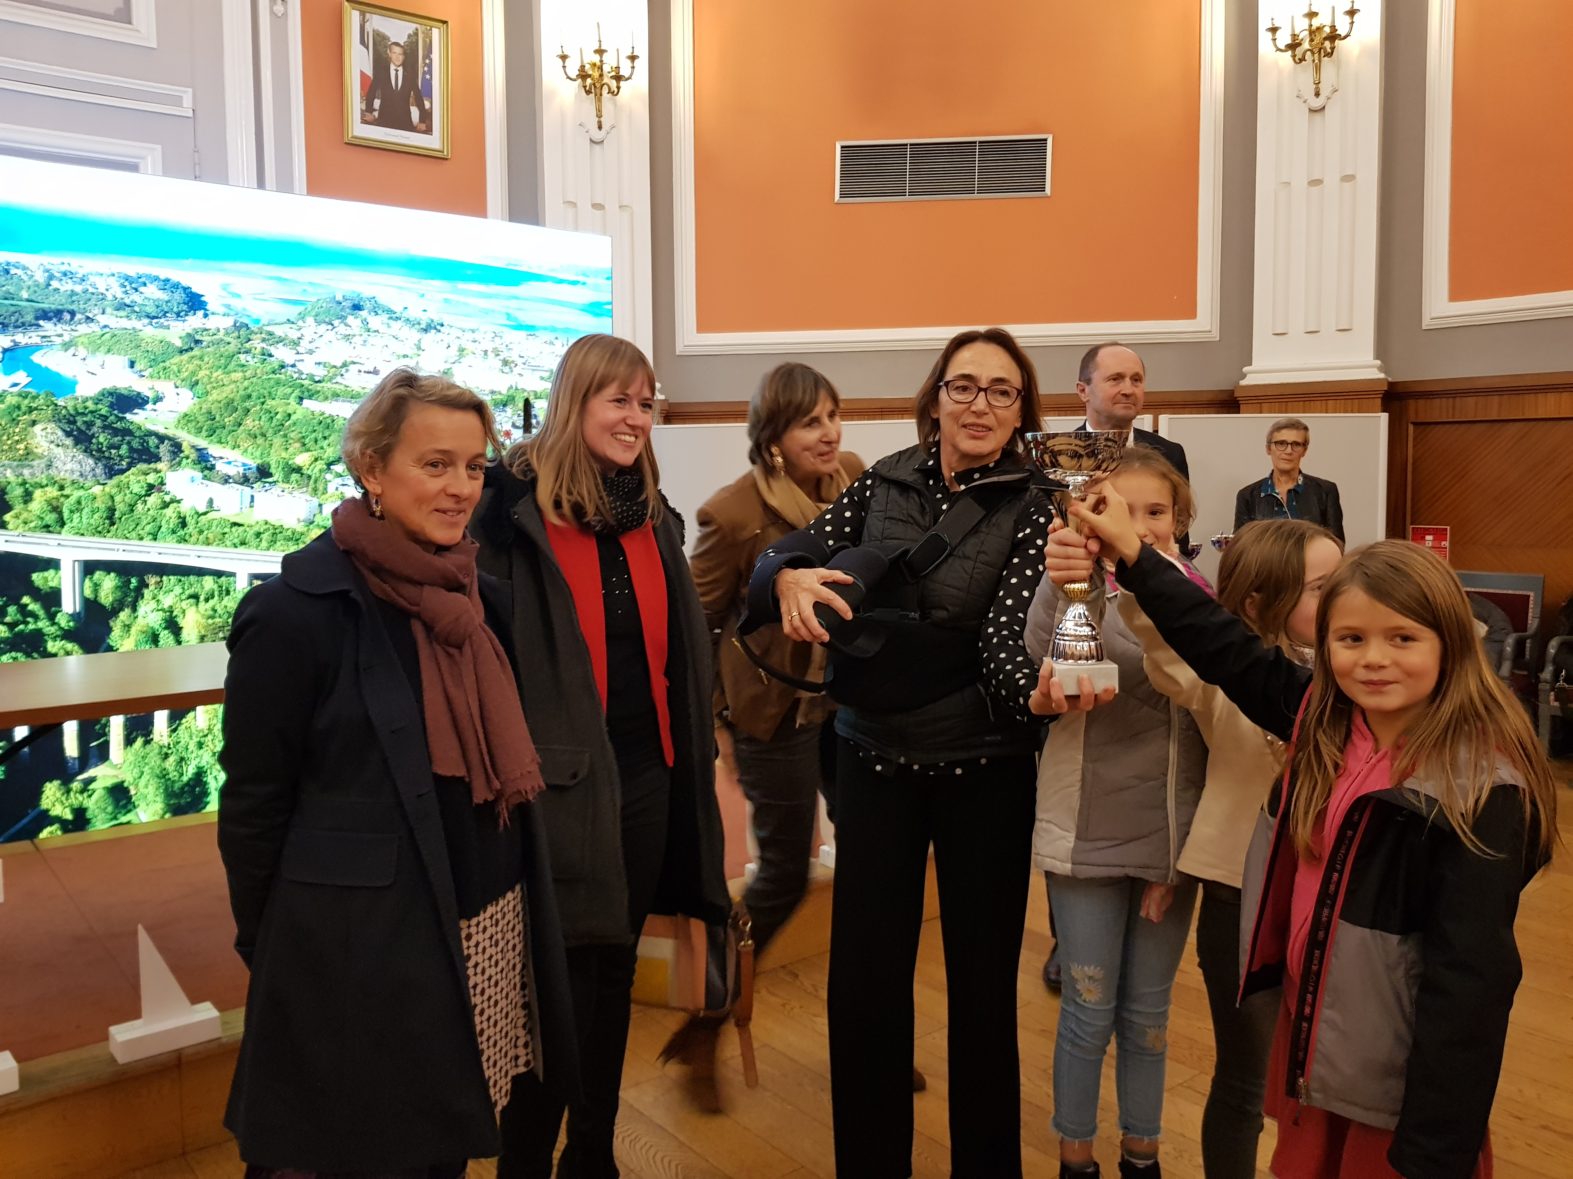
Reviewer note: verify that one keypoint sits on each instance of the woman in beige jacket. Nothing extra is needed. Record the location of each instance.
(767, 731)
(1271, 577)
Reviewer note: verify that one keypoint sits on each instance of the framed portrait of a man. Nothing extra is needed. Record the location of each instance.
(395, 80)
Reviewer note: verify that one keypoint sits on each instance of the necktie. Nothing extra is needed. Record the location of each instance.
(396, 72)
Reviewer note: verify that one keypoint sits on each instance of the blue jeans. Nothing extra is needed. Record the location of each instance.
(1118, 970)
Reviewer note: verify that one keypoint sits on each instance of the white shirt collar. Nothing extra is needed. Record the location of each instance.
(1130, 433)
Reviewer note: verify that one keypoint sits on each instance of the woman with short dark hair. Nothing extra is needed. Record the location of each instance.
(766, 729)
(388, 884)
(936, 751)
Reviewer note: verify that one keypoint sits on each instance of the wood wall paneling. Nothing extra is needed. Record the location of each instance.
(1493, 460)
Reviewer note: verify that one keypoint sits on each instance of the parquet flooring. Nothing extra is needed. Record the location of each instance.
(781, 1130)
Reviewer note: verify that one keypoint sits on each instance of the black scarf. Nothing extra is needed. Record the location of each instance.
(625, 496)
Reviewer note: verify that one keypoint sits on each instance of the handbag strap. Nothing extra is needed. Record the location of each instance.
(743, 1003)
(917, 561)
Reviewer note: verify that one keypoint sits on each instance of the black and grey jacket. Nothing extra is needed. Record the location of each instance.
(1411, 965)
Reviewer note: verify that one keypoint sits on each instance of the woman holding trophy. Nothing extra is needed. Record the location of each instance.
(937, 729)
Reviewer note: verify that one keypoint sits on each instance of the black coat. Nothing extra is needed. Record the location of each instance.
(1172, 451)
(394, 113)
(581, 808)
(360, 1048)
(1315, 500)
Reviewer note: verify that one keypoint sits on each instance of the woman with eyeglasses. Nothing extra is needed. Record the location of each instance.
(1288, 493)
(937, 734)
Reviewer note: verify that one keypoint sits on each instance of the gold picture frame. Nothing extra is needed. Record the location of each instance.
(396, 72)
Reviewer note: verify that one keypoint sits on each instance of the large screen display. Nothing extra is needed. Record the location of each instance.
(177, 361)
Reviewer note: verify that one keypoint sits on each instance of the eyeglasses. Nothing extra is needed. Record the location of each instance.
(1284, 446)
(966, 392)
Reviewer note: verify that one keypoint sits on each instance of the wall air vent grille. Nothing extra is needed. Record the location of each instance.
(942, 169)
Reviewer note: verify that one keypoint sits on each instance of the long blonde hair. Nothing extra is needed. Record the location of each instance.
(567, 479)
(1471, 724)
(1266, 561)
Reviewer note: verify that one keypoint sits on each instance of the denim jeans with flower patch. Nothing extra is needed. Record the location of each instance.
(1117, 971)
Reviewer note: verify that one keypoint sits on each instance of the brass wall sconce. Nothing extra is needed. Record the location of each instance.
(594, 79)
(1315, 45)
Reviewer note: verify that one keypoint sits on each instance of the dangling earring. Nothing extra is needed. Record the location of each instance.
(376, 508)
(777, 461)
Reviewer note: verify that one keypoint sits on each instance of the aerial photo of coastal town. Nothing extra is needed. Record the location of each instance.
(174, 382)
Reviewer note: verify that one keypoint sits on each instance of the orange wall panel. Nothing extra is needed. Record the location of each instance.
(776, 85)
(354, 172)
(1512, 149)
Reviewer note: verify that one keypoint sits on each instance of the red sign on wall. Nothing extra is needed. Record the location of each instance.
(1431, 536)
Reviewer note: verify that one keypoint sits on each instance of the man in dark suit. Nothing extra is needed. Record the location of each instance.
(1288, 491)
(1112, 384)
(394, 92)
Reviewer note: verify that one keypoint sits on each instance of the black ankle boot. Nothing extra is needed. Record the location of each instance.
(1069, 1172)
(1129, 1170)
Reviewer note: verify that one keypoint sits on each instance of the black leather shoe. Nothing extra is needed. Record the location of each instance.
(1129, 1170)
(1051, 974)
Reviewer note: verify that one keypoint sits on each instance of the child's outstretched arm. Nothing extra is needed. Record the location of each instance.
(1262, 682)
(1470, 969)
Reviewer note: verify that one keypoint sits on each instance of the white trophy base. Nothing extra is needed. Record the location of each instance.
(10, 1079)
(1104, 673)
(141, 1038)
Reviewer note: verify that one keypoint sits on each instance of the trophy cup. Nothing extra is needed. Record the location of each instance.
(1072, 460)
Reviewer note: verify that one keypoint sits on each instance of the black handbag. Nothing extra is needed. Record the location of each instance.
(920, 662)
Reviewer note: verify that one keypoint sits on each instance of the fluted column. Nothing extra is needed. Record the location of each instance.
(598, 179)
(1318, 161)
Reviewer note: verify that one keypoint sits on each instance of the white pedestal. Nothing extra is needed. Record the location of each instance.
(142, 1038)
(169, 1020)
(1103, 674)
(10, 1079)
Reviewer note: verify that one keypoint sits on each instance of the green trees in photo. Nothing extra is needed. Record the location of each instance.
(29, 629)
(143, 349)
(180, 776)
(134, 506)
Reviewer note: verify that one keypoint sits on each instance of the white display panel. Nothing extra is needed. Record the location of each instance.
(1227, 451)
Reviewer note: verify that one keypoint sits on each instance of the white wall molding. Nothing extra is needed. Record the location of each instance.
(1209, 236)
(74, 85)
(89, 149)
(297, 96)
(141, 29)
(601, 186)
(240, 105)
(494, 72)
(1318, 193)
(1439, 309)
(88, 96)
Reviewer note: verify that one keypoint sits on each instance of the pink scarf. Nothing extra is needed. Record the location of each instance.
(475, 727)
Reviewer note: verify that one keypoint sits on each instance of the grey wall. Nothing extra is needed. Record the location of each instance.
(1408, 351)
(523, 110)
(1209, 365)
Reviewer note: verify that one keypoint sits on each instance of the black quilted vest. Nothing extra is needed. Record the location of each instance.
(954, 599)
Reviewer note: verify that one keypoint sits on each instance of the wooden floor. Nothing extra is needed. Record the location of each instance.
(782, 1129)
